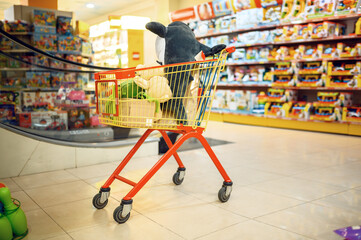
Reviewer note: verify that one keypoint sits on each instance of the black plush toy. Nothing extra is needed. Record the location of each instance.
(178, 44)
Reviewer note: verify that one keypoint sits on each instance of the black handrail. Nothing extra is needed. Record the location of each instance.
(33, 49)
(44, 67)
(109, 144)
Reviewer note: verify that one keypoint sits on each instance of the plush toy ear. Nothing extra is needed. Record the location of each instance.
(157, 28)
(211, 51)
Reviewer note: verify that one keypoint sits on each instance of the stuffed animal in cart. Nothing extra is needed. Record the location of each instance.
(177, 43)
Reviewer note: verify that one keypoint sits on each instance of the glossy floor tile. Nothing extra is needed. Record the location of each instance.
(287, 185)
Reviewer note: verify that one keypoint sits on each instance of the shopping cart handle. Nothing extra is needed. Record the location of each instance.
(231, 49)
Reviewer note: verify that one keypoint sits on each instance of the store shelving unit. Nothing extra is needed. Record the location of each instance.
(261, 120)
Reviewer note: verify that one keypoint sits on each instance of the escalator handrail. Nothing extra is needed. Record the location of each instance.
(110, 144)
(33, 49)
(44, 67)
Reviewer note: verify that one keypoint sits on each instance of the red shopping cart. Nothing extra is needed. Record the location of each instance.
(175, 98)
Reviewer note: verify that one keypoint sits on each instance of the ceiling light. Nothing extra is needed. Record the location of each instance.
(90, 5)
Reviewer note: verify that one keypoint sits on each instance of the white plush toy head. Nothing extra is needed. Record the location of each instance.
(148, 72)
(157, 87)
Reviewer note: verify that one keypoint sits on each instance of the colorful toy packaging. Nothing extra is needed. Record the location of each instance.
(69, 44)
(63, 26)
(351, 114)
(7, 113)
(12, 82)
(320, 8)
(46, 42)
(56, 79)
(298, 110)
(314, 80)
(343, 81)
(292, 10)
(281, 95)
(35, 101)
(44, 18)
(55, 63)
(346, 7)
(49, 120)
(275, 109)
(78, 118)
(17, 26)
(38, 79)
(86, 47)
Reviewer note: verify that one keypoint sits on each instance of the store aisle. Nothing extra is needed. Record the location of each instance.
(288, 185)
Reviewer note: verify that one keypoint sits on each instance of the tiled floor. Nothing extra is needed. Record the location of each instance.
(287, 185)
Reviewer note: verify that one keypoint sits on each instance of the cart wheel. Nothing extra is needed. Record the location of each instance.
(96, 201)
(177, 178)
(222, 194)
(117, 215)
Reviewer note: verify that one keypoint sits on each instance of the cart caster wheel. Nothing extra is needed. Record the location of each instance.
(118, 215)
(178, 177)
(225, 192)
(97, 203)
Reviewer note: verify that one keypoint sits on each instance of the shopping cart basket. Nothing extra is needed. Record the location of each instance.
(175, 98)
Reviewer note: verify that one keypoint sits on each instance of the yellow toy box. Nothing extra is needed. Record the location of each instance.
(298, 110)
(344, 81)
(351, 114)
(276, 109)
(313, 80)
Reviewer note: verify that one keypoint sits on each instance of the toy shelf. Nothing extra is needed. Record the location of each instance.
(296, 61)
(356, 38)
(278, 122)
(240, 86)
(16, 51)
(14, 69)
(20, 33)
(273, 26)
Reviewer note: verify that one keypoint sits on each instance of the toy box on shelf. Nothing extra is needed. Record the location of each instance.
(259, 103)
(69, 44)
(344, 81)
(78, 118)
(271, 12)
(285, 53)
(316, 67)
(326, 113)
(44, 120)
(38, 79)
(281, 95)
(311, 80)
(67, 97)
(56, 78)
(326, 29)
(276, 109)
(220, 100)
(44, 21)
(329, 104)
(298, 110)
(17, 26)
(284, 80)
(292, 10)
(320, 8)
(284, 68)
(12, 82)
(46, 42)
(63, 25)
(7, 112)
(33, 101)
(344, 68)
(334, 99)
(86, 48)
(345, 7)
(351, 114)
(346, 51)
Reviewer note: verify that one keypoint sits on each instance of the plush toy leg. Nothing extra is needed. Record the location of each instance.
(163, 147)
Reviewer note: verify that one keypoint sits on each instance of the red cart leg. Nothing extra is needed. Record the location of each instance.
(100, 200)
(225, 192)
